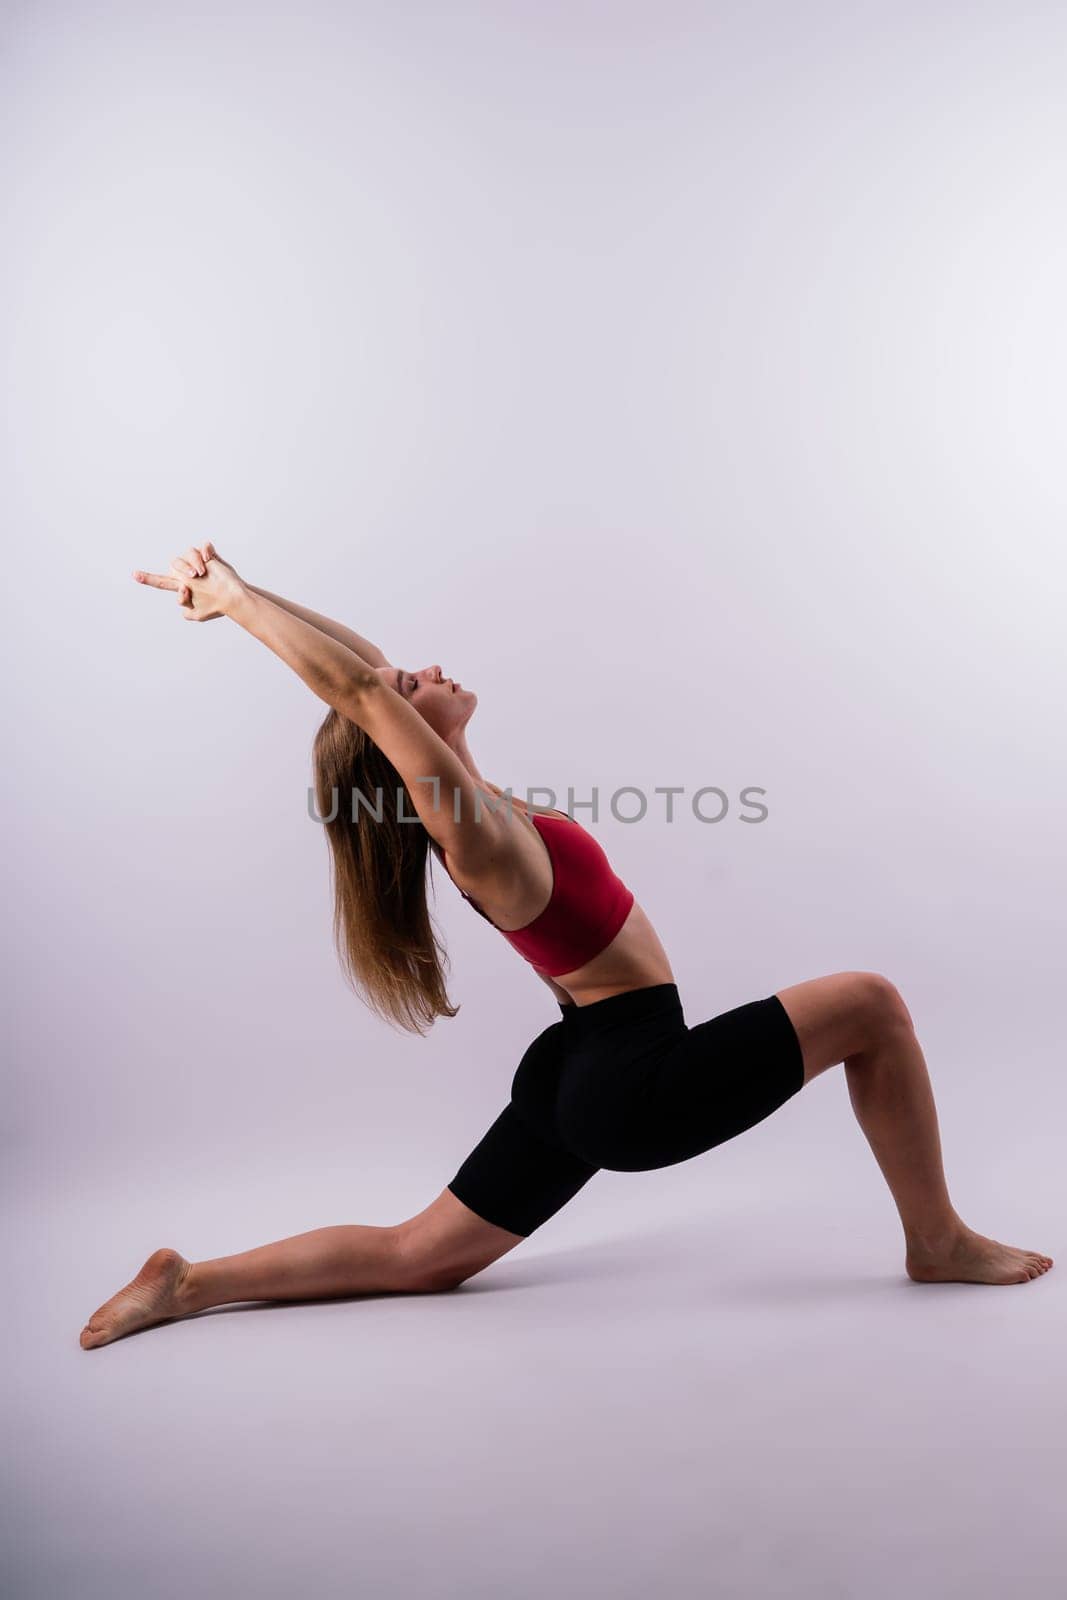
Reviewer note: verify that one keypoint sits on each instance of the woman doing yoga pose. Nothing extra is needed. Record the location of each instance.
(619, 1081)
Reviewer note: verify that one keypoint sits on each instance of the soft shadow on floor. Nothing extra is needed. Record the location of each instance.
(695, 1253)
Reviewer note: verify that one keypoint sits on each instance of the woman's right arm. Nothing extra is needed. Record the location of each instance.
(363, 648)
(330, 669)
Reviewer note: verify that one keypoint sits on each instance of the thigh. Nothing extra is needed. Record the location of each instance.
(836, 1016)
(516, 1178)
(511, 1183)
(518, 1175)
(689, 1092)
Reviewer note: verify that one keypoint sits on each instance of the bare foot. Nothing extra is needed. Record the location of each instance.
(969, 1257)
(153, 1296)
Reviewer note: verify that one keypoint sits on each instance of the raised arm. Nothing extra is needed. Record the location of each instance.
(329, 667)
(441, 788)
(193, 562)
(335, 630)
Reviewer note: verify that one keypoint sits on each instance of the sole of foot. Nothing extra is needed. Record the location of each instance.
(153, 1296)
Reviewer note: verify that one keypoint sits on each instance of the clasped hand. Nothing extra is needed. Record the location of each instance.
(206, 585)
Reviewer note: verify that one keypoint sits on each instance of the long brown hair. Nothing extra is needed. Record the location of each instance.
(389, 952)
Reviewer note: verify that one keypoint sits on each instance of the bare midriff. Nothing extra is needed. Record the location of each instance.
(635, 958)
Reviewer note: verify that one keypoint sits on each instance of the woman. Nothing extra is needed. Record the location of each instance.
(619, 1081)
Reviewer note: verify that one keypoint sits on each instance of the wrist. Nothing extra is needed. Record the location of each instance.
(240, 603)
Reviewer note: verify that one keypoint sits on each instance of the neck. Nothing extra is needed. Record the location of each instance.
(458, 743)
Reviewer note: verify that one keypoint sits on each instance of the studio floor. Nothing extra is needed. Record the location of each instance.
(706, 1393)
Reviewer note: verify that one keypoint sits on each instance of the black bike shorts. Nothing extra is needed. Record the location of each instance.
(625, 1084)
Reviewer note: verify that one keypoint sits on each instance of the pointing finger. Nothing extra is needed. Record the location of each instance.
(154, 580)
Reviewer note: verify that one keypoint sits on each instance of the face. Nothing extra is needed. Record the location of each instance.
(444, 703)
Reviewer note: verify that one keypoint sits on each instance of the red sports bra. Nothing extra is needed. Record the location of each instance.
(589, 901)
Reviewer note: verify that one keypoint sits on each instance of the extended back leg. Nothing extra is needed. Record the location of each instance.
(446, 1244)
(437, 1249)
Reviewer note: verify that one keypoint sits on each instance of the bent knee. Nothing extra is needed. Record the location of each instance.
(880, 1003)
(420, 1266)
(445, 1245)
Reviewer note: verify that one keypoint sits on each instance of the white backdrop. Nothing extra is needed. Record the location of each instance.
(686, 379)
